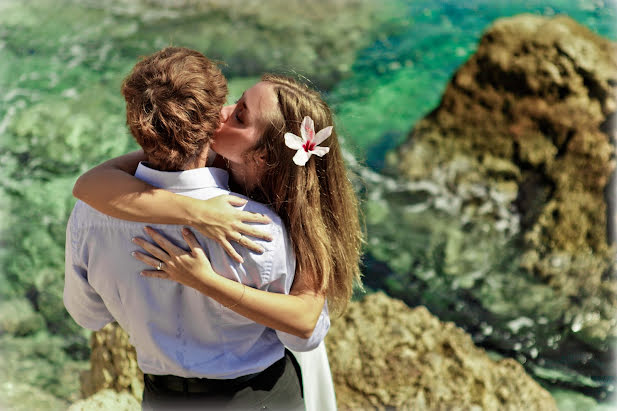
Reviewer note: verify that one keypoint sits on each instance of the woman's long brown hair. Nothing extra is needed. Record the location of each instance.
(316, 201)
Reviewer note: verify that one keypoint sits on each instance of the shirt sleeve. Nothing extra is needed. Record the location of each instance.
(81, 301)
(280, 281)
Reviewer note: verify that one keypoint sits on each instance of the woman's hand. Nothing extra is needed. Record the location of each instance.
(219, 219)
(189, 268)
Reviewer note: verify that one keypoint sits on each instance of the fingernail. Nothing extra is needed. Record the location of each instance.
(134, 239)
(261, 250)
(185, 231)
(133, 253)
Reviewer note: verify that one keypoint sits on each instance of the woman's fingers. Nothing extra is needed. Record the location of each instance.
(191, 240)
(249, 217)
(165, 244)
(229, 249)
(152, 249)
(247, 229)
(250, 244)
(155, 274)
(151, 261)
(236, 201)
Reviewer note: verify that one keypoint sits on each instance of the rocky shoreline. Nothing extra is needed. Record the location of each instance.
(383, 355)
(509, 194)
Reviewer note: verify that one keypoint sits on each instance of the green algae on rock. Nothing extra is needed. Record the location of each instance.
(43, 361)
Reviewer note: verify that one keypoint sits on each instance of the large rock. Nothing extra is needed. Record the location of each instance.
(382, 354)
(529, 113)
(527, 120)
(385, 355)
(113, 364)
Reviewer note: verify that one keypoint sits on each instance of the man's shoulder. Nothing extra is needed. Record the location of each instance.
(83, 214)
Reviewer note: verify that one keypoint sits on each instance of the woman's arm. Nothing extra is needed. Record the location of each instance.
(296, 313)
(112, 189)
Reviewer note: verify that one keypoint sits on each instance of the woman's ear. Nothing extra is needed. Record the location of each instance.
(261, 156)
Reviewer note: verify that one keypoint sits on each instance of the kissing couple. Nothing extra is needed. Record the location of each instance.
(232, 313)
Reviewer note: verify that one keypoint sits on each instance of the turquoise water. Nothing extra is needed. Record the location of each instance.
(61, 112)
(401, 77)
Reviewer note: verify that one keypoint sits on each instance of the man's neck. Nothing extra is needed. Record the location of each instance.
(199, 161)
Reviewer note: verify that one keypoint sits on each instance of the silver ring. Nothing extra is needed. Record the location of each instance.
(160, 266)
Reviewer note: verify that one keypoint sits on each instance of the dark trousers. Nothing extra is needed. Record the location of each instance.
(278, 387)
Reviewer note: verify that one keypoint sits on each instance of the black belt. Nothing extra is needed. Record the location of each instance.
(209, 385)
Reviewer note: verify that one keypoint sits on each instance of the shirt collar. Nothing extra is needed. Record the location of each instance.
(183, 180)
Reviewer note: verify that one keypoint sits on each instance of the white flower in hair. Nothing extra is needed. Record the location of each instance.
(308, 143)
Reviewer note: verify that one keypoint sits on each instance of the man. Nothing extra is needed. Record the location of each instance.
(193, 350)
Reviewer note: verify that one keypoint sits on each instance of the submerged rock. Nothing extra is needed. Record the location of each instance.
(525, 123)
(17, 317)
(41, 363)
(17, 396)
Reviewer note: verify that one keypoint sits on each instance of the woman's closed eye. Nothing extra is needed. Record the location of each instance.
(236, 112)
(239, 109)
(237, 116)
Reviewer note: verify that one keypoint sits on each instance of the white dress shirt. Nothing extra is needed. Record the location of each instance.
(175, 329)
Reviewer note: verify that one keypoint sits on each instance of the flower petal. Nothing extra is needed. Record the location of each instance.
(293, 141)
(323, 134)
(307, 129)
(320, 151)
(301, 157)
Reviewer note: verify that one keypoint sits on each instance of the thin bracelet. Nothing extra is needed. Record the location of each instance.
(240, 299)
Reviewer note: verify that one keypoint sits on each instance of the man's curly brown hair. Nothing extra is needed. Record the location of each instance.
(173, 103)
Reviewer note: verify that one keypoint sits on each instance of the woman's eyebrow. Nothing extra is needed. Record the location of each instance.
(243, 101)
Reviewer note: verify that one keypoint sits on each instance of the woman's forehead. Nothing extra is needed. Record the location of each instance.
(260, 98)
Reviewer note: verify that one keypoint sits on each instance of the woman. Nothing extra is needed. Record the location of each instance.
(315, 201)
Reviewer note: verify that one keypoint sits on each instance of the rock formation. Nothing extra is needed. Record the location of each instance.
(382, 354)
(113, 364)
(530, 113)
(530, 118)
